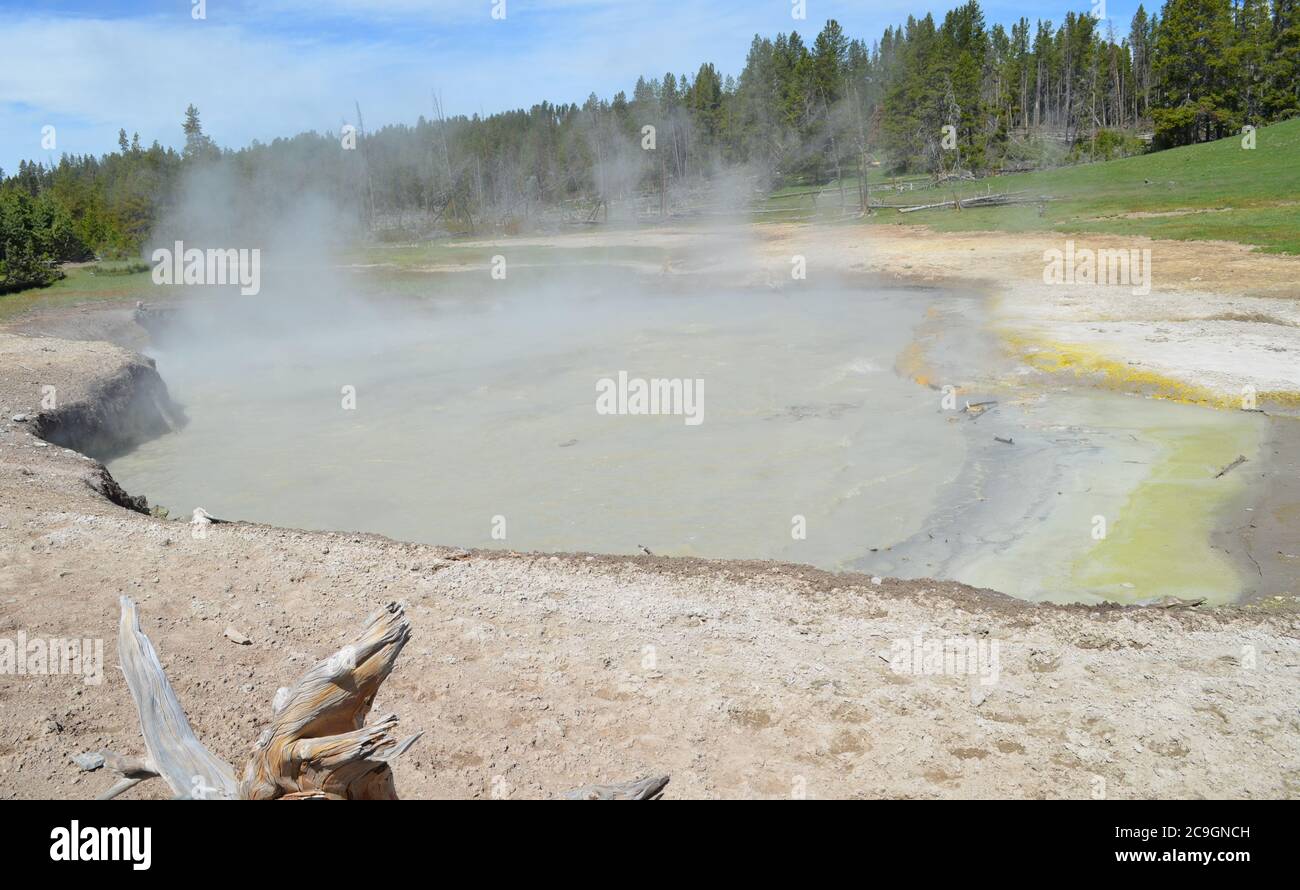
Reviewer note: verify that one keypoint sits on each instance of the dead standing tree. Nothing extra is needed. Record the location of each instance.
(317, 746)
(450, 205)
(365, 170)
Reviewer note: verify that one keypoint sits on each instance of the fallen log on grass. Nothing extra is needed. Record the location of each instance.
(997, 200)
(318, 745)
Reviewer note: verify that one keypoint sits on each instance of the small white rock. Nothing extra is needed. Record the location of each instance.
(90, 761)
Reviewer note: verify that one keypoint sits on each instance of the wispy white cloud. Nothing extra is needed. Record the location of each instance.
(90, 76)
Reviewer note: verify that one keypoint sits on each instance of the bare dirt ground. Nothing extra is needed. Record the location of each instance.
(534, 673)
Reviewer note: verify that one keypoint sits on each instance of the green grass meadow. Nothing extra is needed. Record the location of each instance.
(1218, 191)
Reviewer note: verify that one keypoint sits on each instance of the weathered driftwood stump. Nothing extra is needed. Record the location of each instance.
(318, 745)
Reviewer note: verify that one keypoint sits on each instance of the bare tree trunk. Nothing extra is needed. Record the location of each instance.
(365, 166)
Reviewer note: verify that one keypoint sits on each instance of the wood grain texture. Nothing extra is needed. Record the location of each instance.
(318, 744)
(175, 752)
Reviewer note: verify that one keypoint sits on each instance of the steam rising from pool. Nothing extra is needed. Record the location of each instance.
(476, 412)
(451, 406)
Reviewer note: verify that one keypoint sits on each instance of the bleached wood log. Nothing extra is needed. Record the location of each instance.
(649, 788)
(175, 752)
(318, 746)
(317, 743)
(130, 767)
(133, 771)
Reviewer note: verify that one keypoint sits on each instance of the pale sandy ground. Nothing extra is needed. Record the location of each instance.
(1220, 317)
(533, 673)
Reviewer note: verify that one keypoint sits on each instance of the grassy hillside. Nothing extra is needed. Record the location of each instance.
(1215, 191)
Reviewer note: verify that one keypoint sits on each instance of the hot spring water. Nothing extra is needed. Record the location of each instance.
(470, 418)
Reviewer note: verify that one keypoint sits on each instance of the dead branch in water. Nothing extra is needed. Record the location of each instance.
(975, 409)
(318, 745)
(1241, 459)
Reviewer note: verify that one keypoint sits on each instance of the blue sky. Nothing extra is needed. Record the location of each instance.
(266, 68)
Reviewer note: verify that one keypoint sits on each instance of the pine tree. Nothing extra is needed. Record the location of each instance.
(1249, 58)
(829, 57)
(965, 47)
(1139, 39)
(197, 145)
(1282, 70)
(1195, 72)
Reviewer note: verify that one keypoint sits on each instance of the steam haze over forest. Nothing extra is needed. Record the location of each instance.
(954, 94)
(92, 67)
